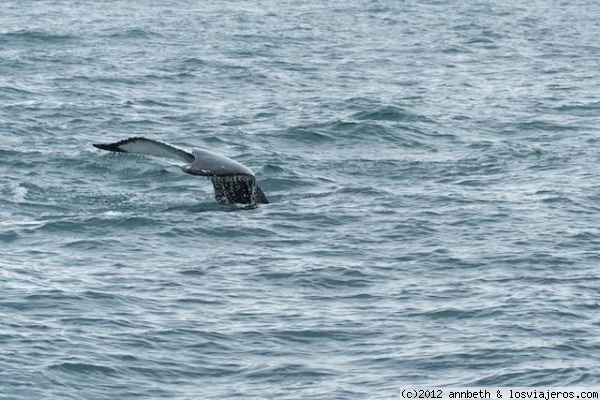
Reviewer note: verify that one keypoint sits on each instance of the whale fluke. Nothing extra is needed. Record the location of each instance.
(233, 182)
(149, 147)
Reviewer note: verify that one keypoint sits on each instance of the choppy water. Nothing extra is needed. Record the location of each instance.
(433, 172)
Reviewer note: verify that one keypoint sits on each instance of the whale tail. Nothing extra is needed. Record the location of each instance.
(148, 147)
(233, 182)
(260, 196)
(239, 189)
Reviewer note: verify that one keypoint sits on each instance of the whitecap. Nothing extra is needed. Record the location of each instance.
(18, 192)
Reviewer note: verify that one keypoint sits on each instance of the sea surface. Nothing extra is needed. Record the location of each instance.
(433, 172)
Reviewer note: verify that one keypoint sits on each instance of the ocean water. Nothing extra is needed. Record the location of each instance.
(432, 167)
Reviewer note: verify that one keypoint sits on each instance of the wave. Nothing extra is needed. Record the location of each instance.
(133, 33)
(35, 36)
(371, 131)
(390, 113)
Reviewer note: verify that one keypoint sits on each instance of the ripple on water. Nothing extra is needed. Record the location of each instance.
(433, 186)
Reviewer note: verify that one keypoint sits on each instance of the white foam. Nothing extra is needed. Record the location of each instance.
(18, 192)
(113, 213)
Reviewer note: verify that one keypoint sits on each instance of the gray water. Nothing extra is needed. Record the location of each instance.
(432, 168)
